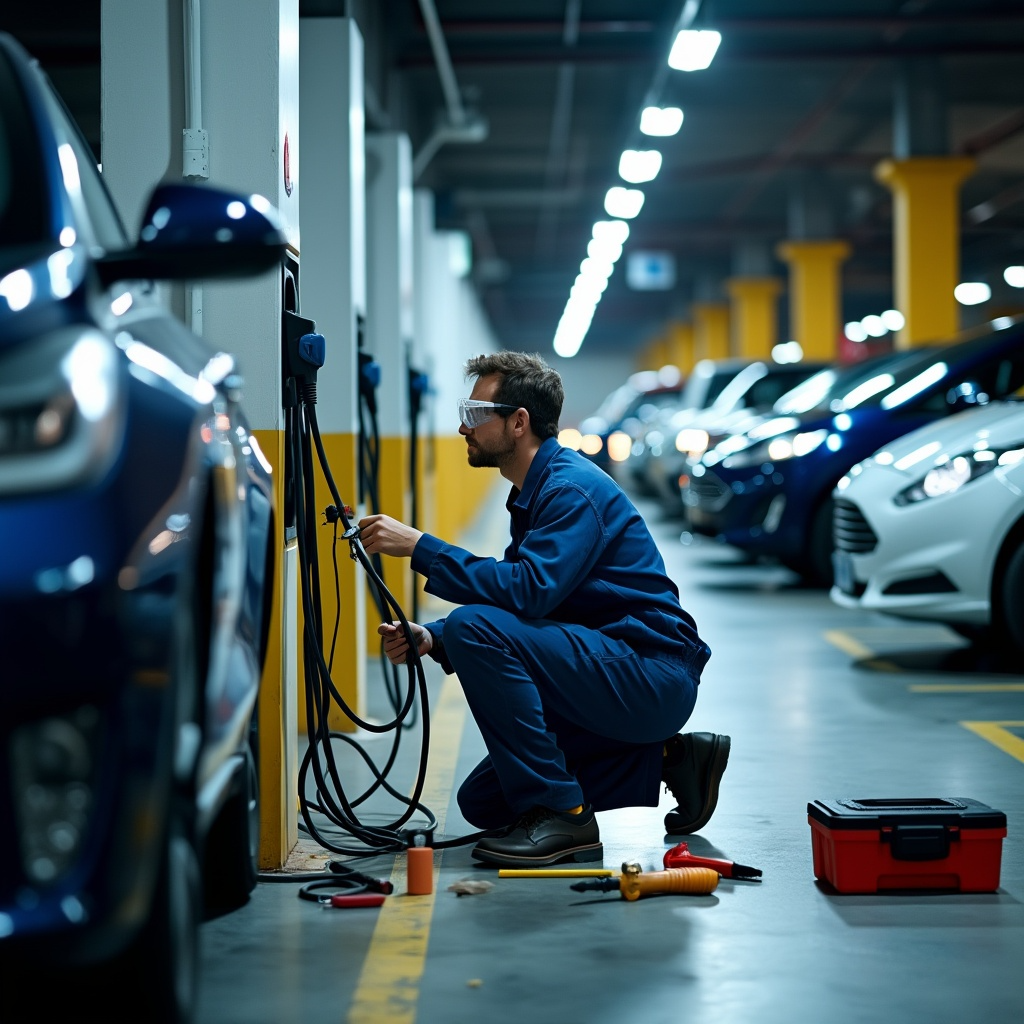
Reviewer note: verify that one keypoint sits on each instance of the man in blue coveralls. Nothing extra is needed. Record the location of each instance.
(576, 658)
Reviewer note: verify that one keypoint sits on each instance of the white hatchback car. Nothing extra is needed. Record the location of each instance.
(932, 526)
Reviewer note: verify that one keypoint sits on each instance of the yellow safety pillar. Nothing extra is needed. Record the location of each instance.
(656, 354)
(815, 296)
(681, 344)
(711, 330)
(926, 243)
(755, 317)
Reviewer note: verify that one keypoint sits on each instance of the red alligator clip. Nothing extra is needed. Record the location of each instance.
(680, 857)
(363, 899)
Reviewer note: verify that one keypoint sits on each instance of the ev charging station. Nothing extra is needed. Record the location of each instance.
(221, 92)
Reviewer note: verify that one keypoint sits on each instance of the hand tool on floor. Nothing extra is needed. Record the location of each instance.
(680, 857)
(633, 883)
(555, 872)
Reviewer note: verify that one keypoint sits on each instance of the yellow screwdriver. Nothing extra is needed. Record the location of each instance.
(633, 883)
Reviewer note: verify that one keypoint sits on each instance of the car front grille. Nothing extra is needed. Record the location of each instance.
(709, 492)
(850, 530)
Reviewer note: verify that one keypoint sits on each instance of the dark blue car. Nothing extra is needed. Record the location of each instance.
(769, 491)
(136, 519)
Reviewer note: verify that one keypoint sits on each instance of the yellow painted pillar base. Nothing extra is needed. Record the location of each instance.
(755, 318)
(395, 500)
(681, 345)
(815, 296)
(278, 717)
(711, 330)
(926, 243)
(458, 489)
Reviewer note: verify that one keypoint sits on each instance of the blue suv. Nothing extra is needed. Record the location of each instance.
(769, 490)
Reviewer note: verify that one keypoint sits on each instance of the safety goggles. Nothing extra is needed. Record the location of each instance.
(473, 412)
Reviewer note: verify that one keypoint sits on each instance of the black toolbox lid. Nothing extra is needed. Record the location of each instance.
(847, 813)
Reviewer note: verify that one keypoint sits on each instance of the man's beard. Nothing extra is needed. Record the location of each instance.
(495, 456)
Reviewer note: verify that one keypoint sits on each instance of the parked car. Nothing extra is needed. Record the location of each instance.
(769, 492)
(623, 415)
(136, 522)
(703, 386)
(751, 393)
(932, 526)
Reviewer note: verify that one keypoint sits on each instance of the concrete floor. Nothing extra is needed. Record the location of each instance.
(808, 719)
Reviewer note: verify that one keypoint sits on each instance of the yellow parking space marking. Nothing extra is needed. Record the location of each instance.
(845, 642)
(966, 688)
(999, 735)
(389, 985)
(853, 647)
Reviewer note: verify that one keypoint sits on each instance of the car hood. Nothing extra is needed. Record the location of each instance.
(997, 425)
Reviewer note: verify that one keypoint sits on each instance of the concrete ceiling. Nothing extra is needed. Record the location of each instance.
(792, 116)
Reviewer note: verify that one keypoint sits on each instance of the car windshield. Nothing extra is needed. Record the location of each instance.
(821, 390)
(895, 383)
(24, 219)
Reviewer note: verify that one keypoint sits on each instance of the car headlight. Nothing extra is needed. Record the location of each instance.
(54, 767)
(692, 441)
(953, 473)
(60, 410)
(778, 449)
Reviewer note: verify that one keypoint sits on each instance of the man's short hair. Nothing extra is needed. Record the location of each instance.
(524, 381)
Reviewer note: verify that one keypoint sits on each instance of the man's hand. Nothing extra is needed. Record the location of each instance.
(396, 646)
(386, 536)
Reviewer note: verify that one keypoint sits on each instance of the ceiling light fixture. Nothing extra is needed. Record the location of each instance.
(972, 293)
(623, 202)
(638, 165)
(661, 120)
(1014, 277)
(694, 49)
(616, 231)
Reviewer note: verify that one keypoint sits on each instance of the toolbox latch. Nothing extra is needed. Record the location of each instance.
(920, 842)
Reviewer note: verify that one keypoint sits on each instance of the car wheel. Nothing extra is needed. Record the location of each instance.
(1010, 607)
(232, 846)
(815, 563)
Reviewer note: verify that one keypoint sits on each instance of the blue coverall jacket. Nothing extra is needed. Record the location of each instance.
(574, 653)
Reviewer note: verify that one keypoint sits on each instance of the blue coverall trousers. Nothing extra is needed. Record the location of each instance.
(568, 715)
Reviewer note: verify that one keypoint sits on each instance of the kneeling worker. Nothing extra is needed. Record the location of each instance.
(576, 658)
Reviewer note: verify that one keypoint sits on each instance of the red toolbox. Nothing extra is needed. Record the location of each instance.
(936, 843)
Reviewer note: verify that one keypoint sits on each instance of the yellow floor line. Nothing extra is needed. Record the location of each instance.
(847, 643)
(389, 985)
(967, 688)
(998, 734)
(854, 648)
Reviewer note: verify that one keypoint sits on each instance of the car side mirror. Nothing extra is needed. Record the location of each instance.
(195, 232)
(968, 395)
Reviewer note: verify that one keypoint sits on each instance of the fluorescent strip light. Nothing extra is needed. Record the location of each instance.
(694, 49)
(638, 165)
(661, 120)
(623, 202)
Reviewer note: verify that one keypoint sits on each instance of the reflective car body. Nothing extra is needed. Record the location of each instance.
(929, 526)
(135, 517)
(626, 412)
(705, 383)
(769, 490)
(748, 395)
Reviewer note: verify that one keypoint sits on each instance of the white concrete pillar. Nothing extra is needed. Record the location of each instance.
(389, 327)
(249, 109)
(333, 293)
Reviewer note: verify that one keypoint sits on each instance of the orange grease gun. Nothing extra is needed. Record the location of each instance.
(633, 883)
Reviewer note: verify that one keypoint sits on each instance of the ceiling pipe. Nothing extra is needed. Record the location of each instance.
(458, 126)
